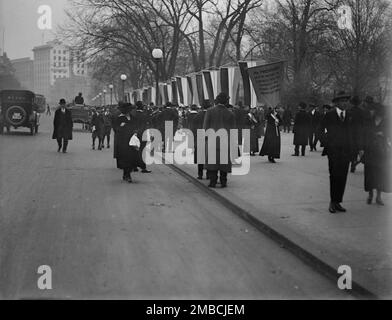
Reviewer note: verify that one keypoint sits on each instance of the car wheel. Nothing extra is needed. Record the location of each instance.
(15, 115)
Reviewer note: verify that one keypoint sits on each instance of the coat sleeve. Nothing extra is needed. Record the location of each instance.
(206, 123)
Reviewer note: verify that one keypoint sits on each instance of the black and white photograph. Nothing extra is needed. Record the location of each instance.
(195, 150)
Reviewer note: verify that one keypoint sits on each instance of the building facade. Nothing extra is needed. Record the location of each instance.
(55, 62)
(24, 72)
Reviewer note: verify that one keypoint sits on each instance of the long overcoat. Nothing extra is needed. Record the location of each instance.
(127, 156)
(271, 143)
(216, 118)
(62, 124)
(301, 128)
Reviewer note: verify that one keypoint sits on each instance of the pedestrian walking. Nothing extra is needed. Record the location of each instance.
(48, 111)
(314, 127)
(271, 143)
(338, 147)
(302, 124)
(377, 153)
(253, 125)
(195, 123)
(63, 125)
(127, 155)
(107, 119)
(98, 129)
(286, 119)
(217, 118)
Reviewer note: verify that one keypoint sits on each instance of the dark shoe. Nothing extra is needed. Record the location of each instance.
(295, 155)
(59, 149)
(314, 149)
(332, 208)
(272, 160)
(93, 147)
(352, 170)
(146, 171)
(124, 178)
(129, 180)
(369, 200)
(211, 185)
(64, 151)
(108, 146)
(136, 170)
(224, 185)
(380, 202)
(200, 177)
(339, 208)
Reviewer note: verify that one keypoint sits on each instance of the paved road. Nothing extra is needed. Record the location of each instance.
(158, 238)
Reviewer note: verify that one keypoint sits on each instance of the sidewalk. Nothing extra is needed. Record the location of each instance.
(292, 198)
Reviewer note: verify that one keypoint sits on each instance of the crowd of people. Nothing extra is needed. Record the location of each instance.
(351, 131)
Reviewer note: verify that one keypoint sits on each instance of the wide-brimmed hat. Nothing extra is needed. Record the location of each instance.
(342, 95)
(125, 107)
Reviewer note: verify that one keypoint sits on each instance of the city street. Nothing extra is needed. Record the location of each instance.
(158, 238)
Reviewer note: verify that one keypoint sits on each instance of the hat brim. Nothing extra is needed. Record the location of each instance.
(341, 98)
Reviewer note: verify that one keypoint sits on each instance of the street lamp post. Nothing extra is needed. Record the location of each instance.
(100, 98)
(111, 94)
(104, 97)
(157, 54)
(123, 78)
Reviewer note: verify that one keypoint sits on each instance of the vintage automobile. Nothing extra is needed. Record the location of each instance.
(18, 109)
(40, 103)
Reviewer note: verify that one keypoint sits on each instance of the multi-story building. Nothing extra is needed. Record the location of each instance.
(24, 72)
(52, 62)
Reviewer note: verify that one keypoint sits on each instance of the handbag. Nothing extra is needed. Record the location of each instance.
(134, 141)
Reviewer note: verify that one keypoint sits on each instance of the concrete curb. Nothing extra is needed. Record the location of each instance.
(323, 267)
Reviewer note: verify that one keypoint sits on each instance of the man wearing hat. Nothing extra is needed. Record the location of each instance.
(338, 147)
(62, 124)
(301, 129)
(219, 118)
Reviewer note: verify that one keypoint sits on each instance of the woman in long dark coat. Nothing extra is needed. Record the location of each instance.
(377, 155)
(126, 155)
(271, 144)
(301, 130)
(253, 125)
(62, 126)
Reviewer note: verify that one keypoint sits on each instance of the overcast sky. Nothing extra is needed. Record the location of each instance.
(19, 20)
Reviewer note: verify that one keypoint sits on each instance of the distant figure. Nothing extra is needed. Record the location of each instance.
(286, 119)
(62, 124)
(253, 125)
(196, 122)
(377, 153)
(48, 112)
(314, 129)
(301, 129)
(79, 99)
(107, 117)
(98, 129)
